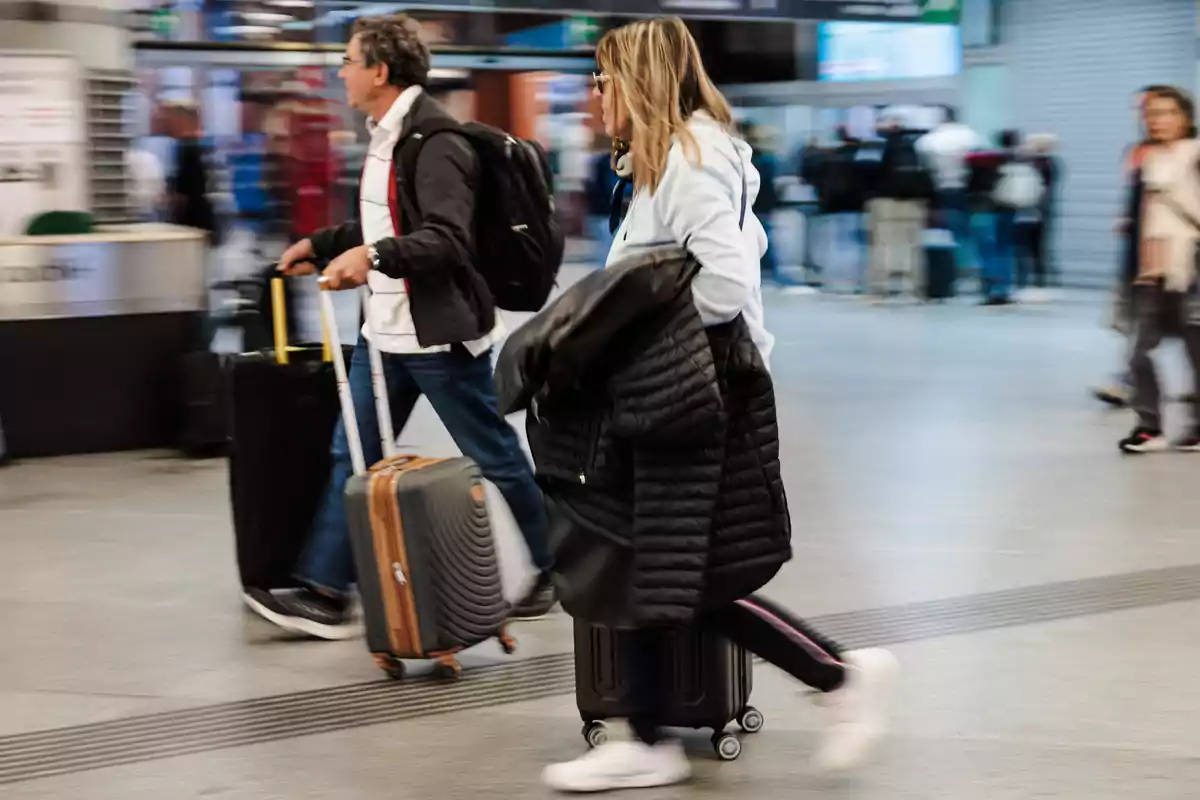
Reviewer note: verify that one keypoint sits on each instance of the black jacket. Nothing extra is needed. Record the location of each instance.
(655, 441)
(450, 300)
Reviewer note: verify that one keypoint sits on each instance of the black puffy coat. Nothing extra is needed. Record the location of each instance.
(656, 443)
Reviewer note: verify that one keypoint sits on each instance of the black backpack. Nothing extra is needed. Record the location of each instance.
(518, 241)
(908, 178)
(840, 187)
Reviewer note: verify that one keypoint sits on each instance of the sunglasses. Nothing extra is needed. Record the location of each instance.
(600, 79)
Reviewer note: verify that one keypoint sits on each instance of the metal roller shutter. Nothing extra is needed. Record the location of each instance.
(1074, 65)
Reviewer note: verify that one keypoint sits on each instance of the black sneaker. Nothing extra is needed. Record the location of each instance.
(1188, 443)
(1144, 440)
(539, 602)
(304, 611)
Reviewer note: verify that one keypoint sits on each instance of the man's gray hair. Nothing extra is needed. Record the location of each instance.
(397, 42)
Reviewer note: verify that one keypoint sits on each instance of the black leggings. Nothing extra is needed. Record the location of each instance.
(754, 623)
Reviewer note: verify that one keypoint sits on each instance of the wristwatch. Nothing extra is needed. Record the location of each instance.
(373, 256)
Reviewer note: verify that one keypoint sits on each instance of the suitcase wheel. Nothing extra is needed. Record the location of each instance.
(750, 720)
(727, 745)
(392, 666)
(595, 732)
(449, 668)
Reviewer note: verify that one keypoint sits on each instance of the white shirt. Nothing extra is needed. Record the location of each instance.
(946, 149)
(1171, 171)
(389, 324)
(697, 205)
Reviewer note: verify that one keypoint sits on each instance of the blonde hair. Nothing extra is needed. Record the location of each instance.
(656, 71)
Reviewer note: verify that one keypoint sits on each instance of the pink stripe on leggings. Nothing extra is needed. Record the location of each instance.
(791, 631)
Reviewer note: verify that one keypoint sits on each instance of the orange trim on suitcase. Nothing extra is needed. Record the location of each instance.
(391, 553)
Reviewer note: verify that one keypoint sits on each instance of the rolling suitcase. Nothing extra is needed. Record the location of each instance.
(283, 408)
(426, 563)
(710, 679)
(941, 264)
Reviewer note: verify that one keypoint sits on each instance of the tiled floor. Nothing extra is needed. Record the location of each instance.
(930, 452)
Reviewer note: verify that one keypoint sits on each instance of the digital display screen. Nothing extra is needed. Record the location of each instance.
(879, 51)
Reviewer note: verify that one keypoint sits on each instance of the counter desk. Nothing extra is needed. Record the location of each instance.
(93, 329)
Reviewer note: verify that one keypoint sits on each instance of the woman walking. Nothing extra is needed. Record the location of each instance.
(719, 529)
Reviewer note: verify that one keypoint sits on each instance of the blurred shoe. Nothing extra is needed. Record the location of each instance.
(858, 710)
(996, 302)
(539, 601)
(1115, 396)
(1188, 443)
(621, 765)
(1190, 398)
(305, 611)
(1144, 440)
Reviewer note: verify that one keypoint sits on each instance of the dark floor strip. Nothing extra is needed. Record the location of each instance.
(42, 754)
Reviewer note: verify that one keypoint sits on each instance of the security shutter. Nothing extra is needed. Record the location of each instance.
(1074, 65)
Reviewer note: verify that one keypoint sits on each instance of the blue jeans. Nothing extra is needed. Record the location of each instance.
(998, 251)
(460, 389)
(954, 205)
(603, 238)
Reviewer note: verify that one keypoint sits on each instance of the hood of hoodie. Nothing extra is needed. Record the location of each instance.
(715, 141)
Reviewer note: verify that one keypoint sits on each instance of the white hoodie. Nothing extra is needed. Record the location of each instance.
(697, 206)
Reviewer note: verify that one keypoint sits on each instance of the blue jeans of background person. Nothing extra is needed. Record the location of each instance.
(953, 204)
(601, 236)
(998, 251)
(460, 389)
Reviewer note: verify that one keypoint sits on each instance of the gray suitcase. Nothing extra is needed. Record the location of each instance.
(428, 574)
(426, 562)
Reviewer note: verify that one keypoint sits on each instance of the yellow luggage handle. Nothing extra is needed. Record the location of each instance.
(279, 323)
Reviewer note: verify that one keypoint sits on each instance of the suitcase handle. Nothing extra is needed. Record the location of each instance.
(345, 397)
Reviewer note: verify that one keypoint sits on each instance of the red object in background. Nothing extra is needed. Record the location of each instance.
(310, 169)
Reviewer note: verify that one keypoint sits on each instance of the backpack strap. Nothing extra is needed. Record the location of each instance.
(405, 163)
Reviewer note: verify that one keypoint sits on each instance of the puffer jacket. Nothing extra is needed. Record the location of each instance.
(656, 443)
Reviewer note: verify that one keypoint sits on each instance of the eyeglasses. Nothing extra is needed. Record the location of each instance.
(600, 79)
(347, 61)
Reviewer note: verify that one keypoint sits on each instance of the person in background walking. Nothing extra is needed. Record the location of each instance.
(188, 185)
(1164, 294)
(1116, 393)
(1034, 229)
(897, 214)
(600, 184)
(945, 150)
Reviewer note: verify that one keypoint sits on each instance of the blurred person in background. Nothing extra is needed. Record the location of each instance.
(1117, 392)
(601, 183)
(430, 314)
(897, 213)
(764, 159)
(842, 193)
(1000, 184)
(1034, 224)
(945, 150)
(1164, 293)
(809, 160)
(148, 183)
(692, 179)
(188, 185)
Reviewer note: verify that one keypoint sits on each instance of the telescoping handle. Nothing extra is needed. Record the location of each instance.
(345, 397)
(279, 323)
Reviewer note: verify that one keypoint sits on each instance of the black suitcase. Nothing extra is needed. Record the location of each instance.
(710, 679)
(941, 265)
(281, 425)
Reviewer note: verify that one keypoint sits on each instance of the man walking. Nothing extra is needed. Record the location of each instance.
(430, 313)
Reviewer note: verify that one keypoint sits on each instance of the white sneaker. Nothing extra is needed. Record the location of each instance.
(858, 711)
(621, 765)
